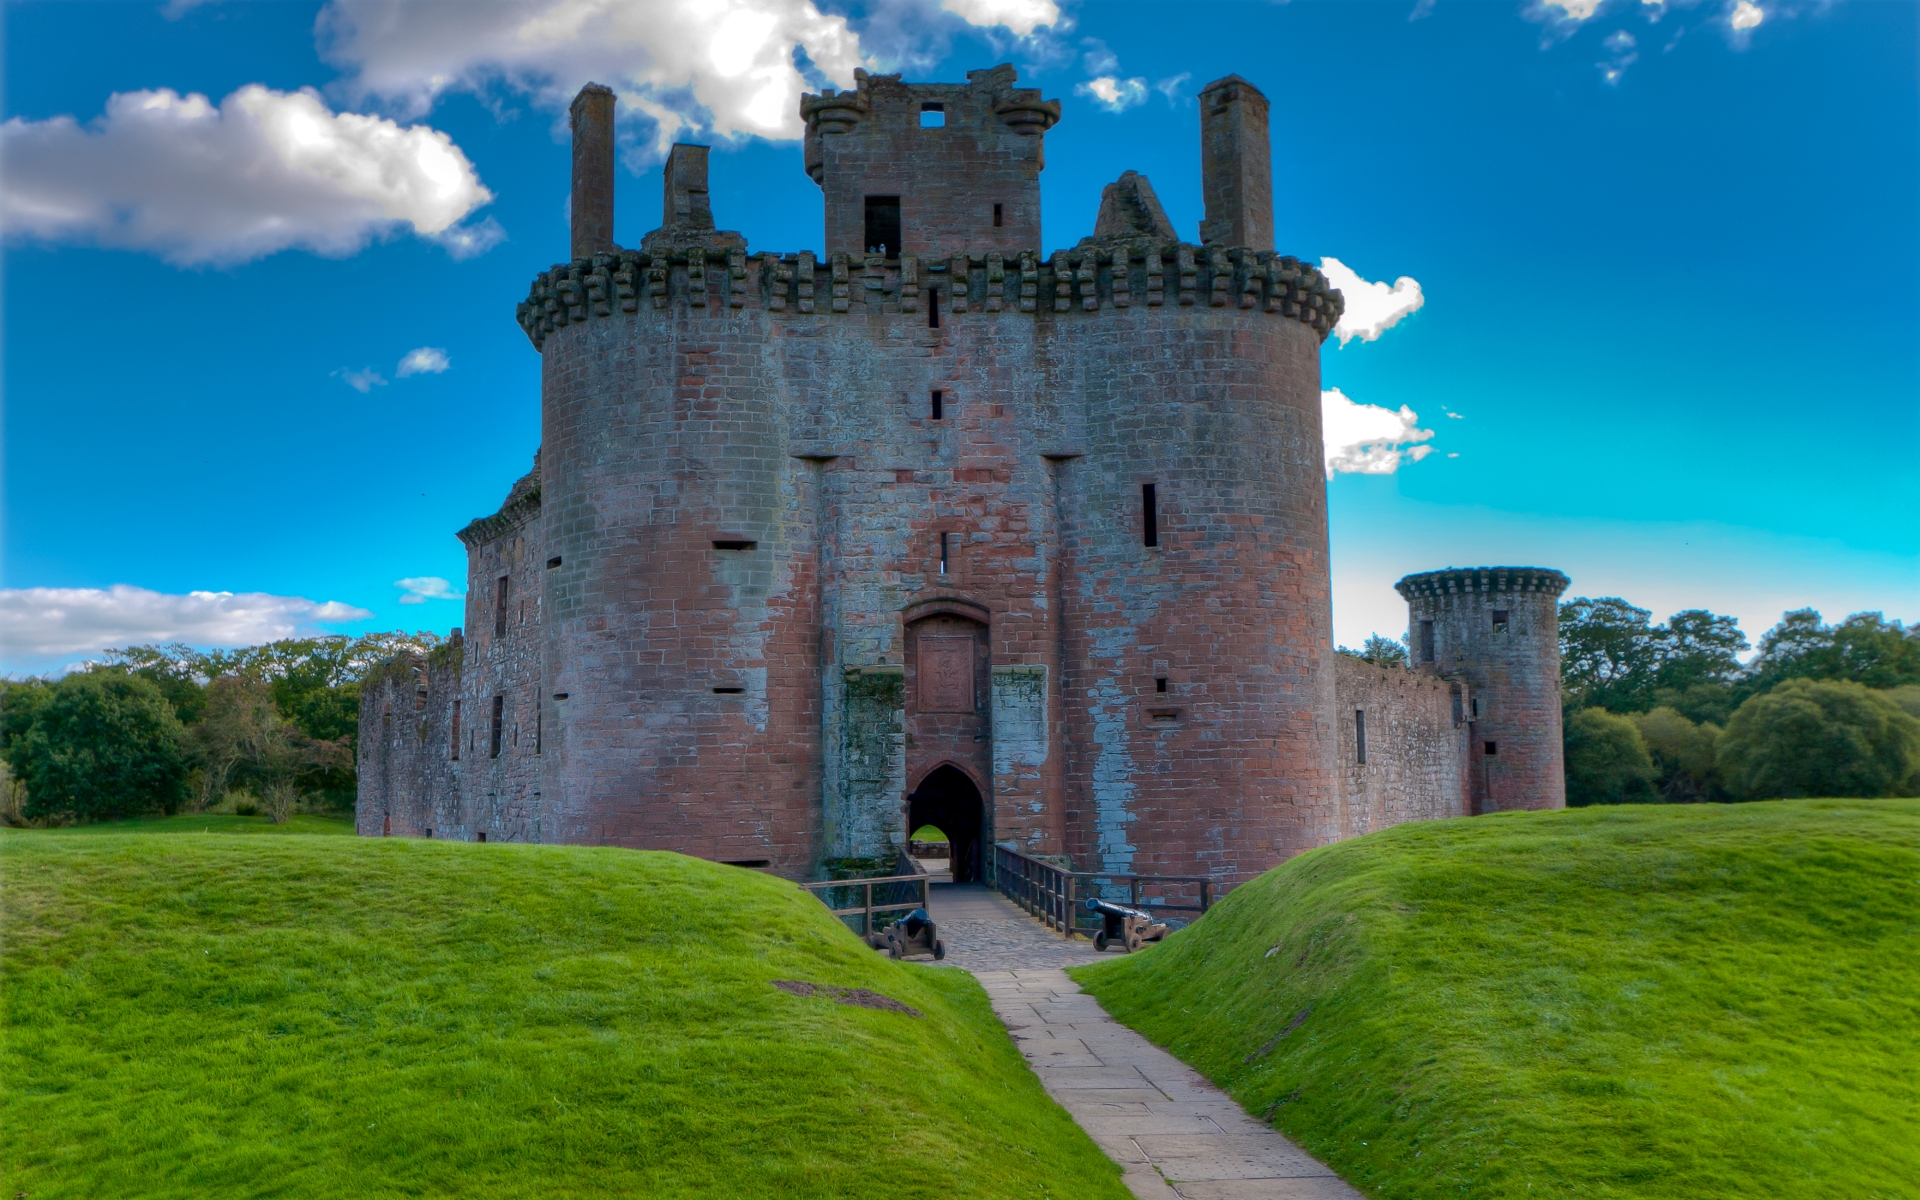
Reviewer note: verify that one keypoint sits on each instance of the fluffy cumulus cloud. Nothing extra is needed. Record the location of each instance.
(427, 360)
(422, 588)
(721, 68)
(42, 623)
(1365, 439)
(1113, 94)
(260, 172)
(1372, 308)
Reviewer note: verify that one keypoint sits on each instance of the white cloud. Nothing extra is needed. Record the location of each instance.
(1021, 17)
(423, 588)
(1114, 95)
(1365, 439)
(1620, 45)
(1170, 86)
(1099, 58)
(1745, 15)
(264, 171)
(1569, 10)
(1372, 308)
(46, 622)
(363, 381)
(427, 360)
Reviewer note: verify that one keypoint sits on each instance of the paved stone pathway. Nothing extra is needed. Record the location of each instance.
(1173, 1133)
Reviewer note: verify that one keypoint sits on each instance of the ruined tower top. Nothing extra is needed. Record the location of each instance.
(591, 119)
(931, 168)
(1236, 165)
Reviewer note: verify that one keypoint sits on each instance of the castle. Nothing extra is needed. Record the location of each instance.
(933, 527)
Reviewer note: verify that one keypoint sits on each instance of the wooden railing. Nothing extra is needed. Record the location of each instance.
(866, 908)
(1058, 896)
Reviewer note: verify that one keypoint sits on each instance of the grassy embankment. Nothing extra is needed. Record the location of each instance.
(190, 1014)
(1702, 1002)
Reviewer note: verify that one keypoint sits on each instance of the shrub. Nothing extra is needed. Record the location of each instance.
(1684, 754)
(1607, 760)
(102, 745)
(1821, 738)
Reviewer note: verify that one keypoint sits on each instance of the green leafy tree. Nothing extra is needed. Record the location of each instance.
(1684, 754)
(178, 670)
(103, 744)
(1380, 651)
(1613, 656)
(1865, 648)
(1607, 760)
(1810, 737)
(20, 700)
(243, 738)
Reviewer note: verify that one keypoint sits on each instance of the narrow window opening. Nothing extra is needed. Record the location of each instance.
(539, 725)
(933, 116)
(481, 836)
(751, 863)
(1426, 641)
(997, 216)
(429, 835)
(938, 409)
(559, 695)
(883, 225)
(386, 825)
(933, 309)
(500, 608)
(499, 715)
(1493, 749)
(553, 562)
(1160, 685)
(523, 612)
(1360, 735)
(1499, 620)
(729, 691)
(456, 731)
(943, 554)
(1149, 515)
(733, 544)
(1476, 708)
(1457, 714)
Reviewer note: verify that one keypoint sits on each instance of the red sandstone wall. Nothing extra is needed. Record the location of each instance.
(1514, 674)
(1415, 766)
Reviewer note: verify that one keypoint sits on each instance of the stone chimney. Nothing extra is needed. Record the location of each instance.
(1236, 165)
(686, 205)
(592, 121)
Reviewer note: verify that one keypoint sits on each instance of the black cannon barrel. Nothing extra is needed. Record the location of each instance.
(1095, 904)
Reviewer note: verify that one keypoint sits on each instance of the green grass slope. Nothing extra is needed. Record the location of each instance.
(204, 1015)
(1701, 1001)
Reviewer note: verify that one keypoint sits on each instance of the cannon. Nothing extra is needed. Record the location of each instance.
(912, 936)
(1128, 927)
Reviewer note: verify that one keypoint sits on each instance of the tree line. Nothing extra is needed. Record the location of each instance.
(167, 728)
(1669, 713)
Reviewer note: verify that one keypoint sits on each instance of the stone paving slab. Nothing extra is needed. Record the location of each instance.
(1175, 1135)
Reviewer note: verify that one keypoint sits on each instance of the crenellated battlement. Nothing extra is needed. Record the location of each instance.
(1135, 273)
(1459, 581)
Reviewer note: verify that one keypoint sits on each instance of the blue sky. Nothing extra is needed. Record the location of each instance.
(1668, 256)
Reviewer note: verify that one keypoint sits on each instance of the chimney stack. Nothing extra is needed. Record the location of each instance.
(1236, 165)
(686, 205)
(592, 121)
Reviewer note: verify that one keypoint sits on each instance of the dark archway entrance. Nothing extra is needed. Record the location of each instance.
(948, 799)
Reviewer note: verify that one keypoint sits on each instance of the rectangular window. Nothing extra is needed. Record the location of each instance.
(1493, 749)
(933, 116)
(553, 562)
(937, 410)
(933, 309)
(1426, 641)
(1159, 685)
(1360, 735)
(943, 554)
(481, 836)
(456, 731)
(883, 225)
(1476, 708)
(1457, 713)
(733, 544)
(1149, 516)
(499, 716)
(500, 608)
(1499, 620)
(996, 216)
(539, 724)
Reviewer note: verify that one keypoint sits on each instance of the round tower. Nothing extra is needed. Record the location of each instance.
(1496, 632)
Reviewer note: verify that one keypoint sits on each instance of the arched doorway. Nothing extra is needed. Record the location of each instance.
(948, 799)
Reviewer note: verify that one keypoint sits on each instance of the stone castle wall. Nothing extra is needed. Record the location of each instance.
(1415, 765)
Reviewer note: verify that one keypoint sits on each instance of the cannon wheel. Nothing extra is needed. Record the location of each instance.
(1100, 942)
(1133, 941)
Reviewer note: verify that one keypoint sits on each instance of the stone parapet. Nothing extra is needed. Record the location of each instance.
(1135, 273)
(1458, 581)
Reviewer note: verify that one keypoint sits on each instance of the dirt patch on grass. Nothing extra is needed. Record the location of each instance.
(857, 997)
